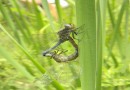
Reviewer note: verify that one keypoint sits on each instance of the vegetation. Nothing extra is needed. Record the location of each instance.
(29, 28)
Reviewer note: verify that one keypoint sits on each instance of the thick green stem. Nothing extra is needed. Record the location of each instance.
(86, 16)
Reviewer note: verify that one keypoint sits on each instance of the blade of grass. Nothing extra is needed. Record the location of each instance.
(85, 11)
(20, 47)
(117, 26)
(101, 10)
(39, 67)
(58, 7)
(99, 46)
(112, 19)
(19, 25)
(19, 67)
(123, 41)
(38, 16)
(8, 18)
(24, 23)
(46, 8)
(126, 51)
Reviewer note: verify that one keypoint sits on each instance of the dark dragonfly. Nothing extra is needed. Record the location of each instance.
(61, 58)
(63, 35)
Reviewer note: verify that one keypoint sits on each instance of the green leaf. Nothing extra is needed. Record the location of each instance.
(85, 10)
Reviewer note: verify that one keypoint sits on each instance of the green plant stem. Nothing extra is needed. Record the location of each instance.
(85, 10)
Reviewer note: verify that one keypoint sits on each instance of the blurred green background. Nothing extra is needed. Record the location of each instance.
(28, 27)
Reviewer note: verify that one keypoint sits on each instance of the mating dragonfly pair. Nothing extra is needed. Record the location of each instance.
(64, 35)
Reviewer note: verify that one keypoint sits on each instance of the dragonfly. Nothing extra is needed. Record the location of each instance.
(46, 40)
(61, 58)
(64, 35)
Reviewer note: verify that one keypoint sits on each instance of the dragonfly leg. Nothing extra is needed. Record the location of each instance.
(63, 51)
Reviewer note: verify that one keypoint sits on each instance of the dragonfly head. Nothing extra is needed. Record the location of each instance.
(69, 26)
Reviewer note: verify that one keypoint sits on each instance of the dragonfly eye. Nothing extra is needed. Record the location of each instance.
(68, 26)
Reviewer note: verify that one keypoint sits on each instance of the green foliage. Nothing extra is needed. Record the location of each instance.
(27, 29)
(87, 47)
(23, 30)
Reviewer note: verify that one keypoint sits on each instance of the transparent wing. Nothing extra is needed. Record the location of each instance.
(82, 33)
(39, 42)
(45, 40)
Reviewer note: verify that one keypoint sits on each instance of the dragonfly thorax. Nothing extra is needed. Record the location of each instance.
(64, 34)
